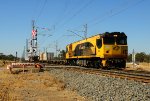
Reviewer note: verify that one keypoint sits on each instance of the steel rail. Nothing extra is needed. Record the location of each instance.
(127, 75)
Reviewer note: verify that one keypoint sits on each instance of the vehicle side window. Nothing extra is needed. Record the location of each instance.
(88, 44)
(99, 43)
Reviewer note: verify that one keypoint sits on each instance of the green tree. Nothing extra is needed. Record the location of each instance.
(140, 57)
(10, 57)
(129, 59)
(7, 57)
(147, 58)
(3, 57)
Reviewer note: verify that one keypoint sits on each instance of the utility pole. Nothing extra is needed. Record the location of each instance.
(32, 51)
(133, 57)
(148, 60)
(56, 48)
(76, 34)
(16, 57)
(23, 54)
(27, 49)
(85, 31)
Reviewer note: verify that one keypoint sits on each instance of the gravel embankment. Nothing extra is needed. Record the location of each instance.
(100, 88)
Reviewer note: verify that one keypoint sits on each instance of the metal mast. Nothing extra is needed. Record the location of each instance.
(33, 44)
(133, 57)
(85, 31)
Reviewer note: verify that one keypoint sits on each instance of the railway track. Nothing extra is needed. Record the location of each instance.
(122, 74)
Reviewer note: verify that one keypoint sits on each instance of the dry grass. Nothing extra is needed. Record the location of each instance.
(33, 86)
(5, 87)
(139, 67)
(27, 82)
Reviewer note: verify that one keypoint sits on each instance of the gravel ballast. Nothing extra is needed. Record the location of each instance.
(100, 88)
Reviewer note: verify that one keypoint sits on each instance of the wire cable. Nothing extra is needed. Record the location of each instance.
(41, 11)
(86, 5)
(114, 13)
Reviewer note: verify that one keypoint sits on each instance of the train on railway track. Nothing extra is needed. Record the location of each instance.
(100, 51)
(106, 50)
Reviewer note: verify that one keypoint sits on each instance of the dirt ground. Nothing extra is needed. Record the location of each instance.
(139, 67)
(34, 87)
(40, 86)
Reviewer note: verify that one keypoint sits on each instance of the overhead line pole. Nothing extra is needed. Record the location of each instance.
(75, 33)
(32, 53)
(85, 32)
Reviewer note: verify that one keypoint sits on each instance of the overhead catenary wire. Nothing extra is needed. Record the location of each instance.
(65, 13)
(37, 5)
(79, 11)
(41, 10)
(114, 13)
(76, 13)
(104, 15)
(58, 21)
(86, 5)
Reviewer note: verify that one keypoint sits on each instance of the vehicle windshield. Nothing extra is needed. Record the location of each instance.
(118, 40)
(121, 40)
(109, 40)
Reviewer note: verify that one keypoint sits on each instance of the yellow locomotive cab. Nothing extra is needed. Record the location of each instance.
(102, 50)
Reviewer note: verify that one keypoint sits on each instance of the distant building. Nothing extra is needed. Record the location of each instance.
(46, 56)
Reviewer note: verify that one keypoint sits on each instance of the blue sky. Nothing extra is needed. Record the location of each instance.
(129, 16)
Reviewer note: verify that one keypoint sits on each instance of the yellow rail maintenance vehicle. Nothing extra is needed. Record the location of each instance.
(102, 50)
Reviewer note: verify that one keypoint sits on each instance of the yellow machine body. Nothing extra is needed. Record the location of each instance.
(105, 49)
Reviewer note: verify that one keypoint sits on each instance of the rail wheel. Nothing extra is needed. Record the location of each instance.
(124, 64)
